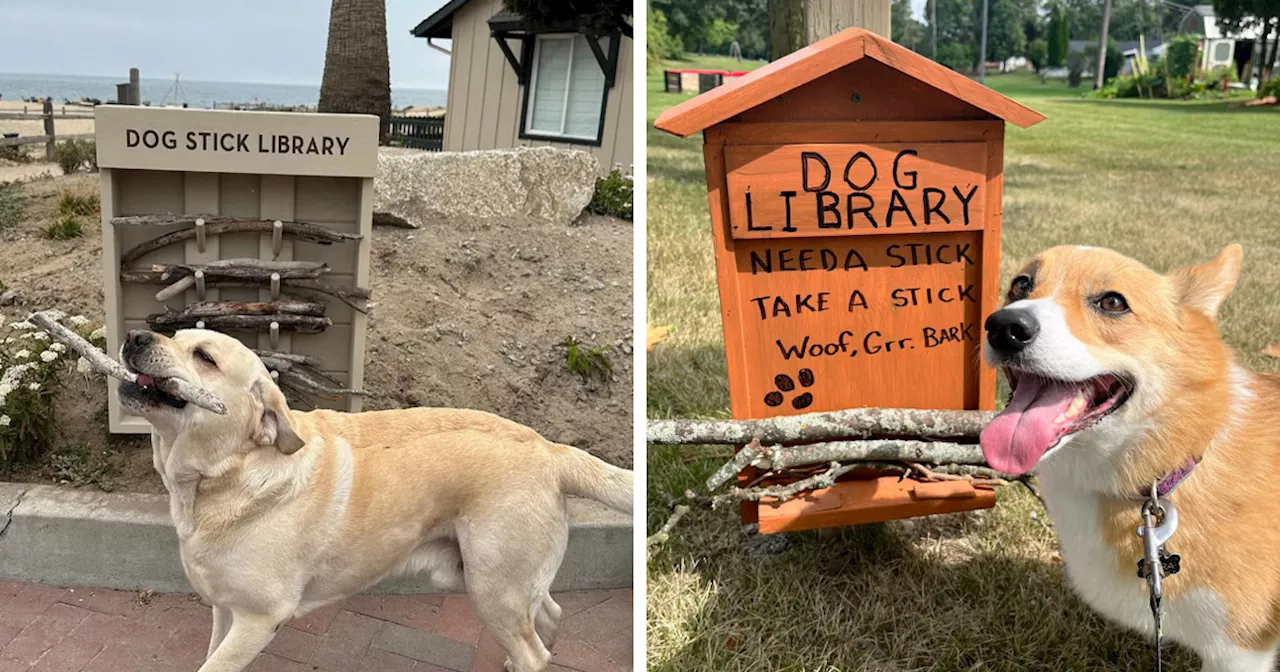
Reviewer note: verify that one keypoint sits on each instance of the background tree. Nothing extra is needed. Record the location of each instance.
(786, 27)
(1006, 37)
(1059, 37)
(357, 69)
(603, 15)
(709, 27)
(660, 44)
(905, 29)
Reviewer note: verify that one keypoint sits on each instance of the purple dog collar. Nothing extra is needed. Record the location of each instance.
(1170, 481)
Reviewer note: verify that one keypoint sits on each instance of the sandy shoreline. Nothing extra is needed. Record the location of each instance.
(61, 126)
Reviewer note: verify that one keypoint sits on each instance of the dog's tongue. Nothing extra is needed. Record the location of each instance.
(1016, 438)
(145, 380)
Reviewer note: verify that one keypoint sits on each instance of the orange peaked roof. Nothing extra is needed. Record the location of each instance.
(821, 58)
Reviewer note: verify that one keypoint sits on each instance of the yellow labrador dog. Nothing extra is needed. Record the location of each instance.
(279, 512)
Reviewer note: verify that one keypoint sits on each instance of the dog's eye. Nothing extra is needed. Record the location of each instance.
(204, 357)
(1020, 287)
(1113, 303)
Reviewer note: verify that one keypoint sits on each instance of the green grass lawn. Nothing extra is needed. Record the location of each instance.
(1167, 182)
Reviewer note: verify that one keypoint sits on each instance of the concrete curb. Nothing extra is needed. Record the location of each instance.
(126, 541)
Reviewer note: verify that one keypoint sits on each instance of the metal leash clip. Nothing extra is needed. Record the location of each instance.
(1159, 522)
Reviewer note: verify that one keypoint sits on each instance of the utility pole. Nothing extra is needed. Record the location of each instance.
(982, 65)
(933, 26)
(1102, 43)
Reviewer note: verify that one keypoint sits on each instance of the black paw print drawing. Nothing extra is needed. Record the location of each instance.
(784, 383)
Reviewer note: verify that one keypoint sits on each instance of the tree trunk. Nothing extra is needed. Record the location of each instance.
(786, 27)
(1102, 44)
(1268, 54)
(357, 69)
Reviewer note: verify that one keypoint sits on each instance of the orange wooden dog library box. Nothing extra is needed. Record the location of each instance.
(855, 191)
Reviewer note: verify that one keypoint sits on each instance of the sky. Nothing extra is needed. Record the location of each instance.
(271, 41)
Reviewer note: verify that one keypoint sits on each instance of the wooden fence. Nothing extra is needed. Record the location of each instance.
(50, 137)
(417, 132)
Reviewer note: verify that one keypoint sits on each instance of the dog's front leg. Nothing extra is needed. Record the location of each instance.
(1229, 658)
(221, 624)
(248, 636)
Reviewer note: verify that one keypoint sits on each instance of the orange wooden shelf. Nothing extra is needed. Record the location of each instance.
(869, 501)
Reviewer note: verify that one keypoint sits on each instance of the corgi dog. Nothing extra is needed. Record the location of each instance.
(1121, 383)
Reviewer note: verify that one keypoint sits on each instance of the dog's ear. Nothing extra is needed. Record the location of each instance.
(1206, 286)
(275, 426)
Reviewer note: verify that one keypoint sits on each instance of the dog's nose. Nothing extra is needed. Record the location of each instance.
(1011, 331)
(137, 340)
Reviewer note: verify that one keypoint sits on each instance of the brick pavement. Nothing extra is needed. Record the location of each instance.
(48, 629)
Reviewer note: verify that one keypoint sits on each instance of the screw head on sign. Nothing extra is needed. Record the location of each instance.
(857, 97)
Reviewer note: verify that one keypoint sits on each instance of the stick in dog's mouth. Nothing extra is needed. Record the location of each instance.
(1043, 411)
(172, 389)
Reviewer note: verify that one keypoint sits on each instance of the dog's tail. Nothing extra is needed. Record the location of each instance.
(586, 475)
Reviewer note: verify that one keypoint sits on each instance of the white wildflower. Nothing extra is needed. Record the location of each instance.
(59, 348)
(4, 421)
(100, 332)
(33, 387)
(22, 354)
(78, 320)
(40, 336)
(48, 356)
(10, 340)
(83, 366)
(29, 334)
(23, 325)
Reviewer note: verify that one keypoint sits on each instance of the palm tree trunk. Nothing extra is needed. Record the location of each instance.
(357, 69)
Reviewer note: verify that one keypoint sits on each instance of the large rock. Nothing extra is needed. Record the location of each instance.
(551, 184)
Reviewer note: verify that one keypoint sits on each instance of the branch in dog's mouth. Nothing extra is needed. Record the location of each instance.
(180, 390)
(1043, 411)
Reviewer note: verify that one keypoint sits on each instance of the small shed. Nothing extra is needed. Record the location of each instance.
(855, 194)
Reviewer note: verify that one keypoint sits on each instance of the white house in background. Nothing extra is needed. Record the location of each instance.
(1220, 48)
(513, 85)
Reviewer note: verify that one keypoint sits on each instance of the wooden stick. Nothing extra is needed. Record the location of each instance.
(215, 225)
(290, 357)
(854, 423)
(932, 452)
(183, 284)
(352, 296)
(302, 380)
(245, 269)
(212, 308)
(306, 324)
(746, 456)
(107, 366)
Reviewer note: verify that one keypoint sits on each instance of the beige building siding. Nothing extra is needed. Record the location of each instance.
(485, 97)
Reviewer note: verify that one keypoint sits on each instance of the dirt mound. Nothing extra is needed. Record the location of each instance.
(467, 313)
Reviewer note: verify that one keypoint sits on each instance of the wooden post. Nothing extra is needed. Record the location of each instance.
(795, 24)
(135, 87)
(48, 129)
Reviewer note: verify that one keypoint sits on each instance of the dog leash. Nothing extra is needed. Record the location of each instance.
(1159, 522)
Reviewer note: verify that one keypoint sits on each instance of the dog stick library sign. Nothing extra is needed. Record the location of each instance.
(855, 192)
(253, 223)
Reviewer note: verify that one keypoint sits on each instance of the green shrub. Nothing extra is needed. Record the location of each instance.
(13, 204)
(89, 150)
(1180, 53)
(14, 153)
(1115, 60)
(587, 362)
(1075, 68)
(84, 205)
(68, 157)
(613, 195)
(1038, 53)
(30, 363)
(66, 228)
(1271, 88)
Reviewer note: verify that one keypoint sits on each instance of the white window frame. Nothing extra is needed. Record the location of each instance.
(531, 94)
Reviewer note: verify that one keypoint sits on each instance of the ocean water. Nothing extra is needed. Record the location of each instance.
(197, 94)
